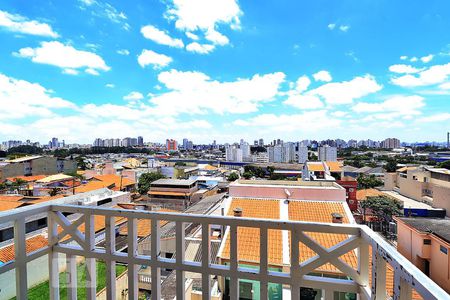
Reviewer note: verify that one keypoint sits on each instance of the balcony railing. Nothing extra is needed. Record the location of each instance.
(368, 280)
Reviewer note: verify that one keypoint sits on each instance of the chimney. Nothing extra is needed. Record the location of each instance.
(237, 212)
(336, 218)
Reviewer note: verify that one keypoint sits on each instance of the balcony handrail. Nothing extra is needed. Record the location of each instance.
(407, 276)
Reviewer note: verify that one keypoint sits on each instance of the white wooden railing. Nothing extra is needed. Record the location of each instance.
(360, 238)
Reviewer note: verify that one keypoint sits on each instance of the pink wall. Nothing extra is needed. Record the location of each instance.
(278, 192)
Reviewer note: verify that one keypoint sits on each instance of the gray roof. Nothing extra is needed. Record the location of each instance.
(438, 227)
(174, 181)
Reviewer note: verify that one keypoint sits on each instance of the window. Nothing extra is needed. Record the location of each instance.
(101, 202)
(444, 250)
(427, 242)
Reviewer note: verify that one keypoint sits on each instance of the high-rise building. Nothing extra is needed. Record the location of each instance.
(98, 143)
(327, 153)
(390, 143)
(140, 141)
(54, 143)
(261, 143)
(302, 154)
(246, 153)
(171, 145)
(233, 153)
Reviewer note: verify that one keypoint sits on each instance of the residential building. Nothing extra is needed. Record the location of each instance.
(246, 154)
(327, 153)
(282, 153)
(140, 141)
(171, 145)
(426, 243)
(422, 183)
(390, 143)
(36, 165)
(261, 157)
(302, 154)
(233, 153)
(172, 193)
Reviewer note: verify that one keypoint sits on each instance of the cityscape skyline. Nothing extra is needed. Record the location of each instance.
(234, 70)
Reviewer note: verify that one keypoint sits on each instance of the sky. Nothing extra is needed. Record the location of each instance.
(224, 70)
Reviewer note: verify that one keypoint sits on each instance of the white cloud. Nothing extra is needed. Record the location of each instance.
(92, 71)
(216, 37)
(403, 57)
(205, 16)
(200, 48)
(346, 91)
(435, 118)
(192, 36)
(102, 9)
(322, 76)
(427, 59)
(197, 93)
(161, 37)
(401, 105)
(133, 96)
(413, 59)
(304, 101)
(402, 69)
(110, 85)
(123, 52)
(18, 23)
(433, 75)
(331, 26)
(344, 28)
(22, 99)
(445, 86)
(149, 57)
(65, 57)
(303, 83)
(69, 71)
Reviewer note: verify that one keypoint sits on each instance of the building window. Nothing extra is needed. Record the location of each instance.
(427, 242)
(444, 250)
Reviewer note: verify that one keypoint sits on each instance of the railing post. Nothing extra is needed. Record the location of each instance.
(263, 262)
(295, 264)
(132, 268)
(378, 276)
(180, 249)
(234, 262)
(20, 259)
(71, 269)
(91, 276)
(206, 277)
(110, 264)
(363, 267)
(402, 290)
(155, 252)
(53, 267)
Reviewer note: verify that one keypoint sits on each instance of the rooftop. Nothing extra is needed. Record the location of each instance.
(23, 159)
(174, 182)
(289, 183)
(437, 227)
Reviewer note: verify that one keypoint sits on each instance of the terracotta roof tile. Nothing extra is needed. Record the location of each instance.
(248, 238)
(26, 178)
(143, 226)
(111, 179)
(321, 212)
(32, 244)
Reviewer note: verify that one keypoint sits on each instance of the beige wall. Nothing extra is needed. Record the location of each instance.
(40, 166)
(390, 181)
(441, 198)
(411, 188)
(410, 244)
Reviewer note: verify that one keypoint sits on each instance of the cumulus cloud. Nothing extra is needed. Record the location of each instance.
(192, 36)
(161, 37)
(401, 105)
(304, 101)
(302, 83)
(123, 52)
(20, 24)
(403, 69)
(403, 57)
(110, 85)
(65, 57)
(133, 96)
(344, 28)
(22, 99)
(433, 75)
(149, 57)
(200, 48)
(427, 59)
(205, 16)
(197, 93)
(322, 76)
(435, 118)
(105, 10)
(331, 26)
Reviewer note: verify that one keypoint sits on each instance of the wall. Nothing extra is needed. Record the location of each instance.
(297, 193)
(440, 264)
(390, 181)
(121, 286)
(441, 198)
(411, 188)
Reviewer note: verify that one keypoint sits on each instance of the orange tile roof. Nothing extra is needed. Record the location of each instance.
(44, 199)
(26, 178)
(248, 238)
(321, 212)
(315, 167)
(110, 179)
(11, 198)
(91, 186)
(143, 226)
(334, 166)
(32, 244)
(8, 205)
(363, 194)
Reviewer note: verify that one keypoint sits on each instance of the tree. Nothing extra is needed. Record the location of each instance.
(247, 175)
(384, 208)
(233, 176)
(180, 164)
(391, 165)
(81, 163)
(368, 182)
(54, 191)
(444, 164)
(146, 179)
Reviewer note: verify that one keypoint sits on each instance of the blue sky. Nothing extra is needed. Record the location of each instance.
(224, 70)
